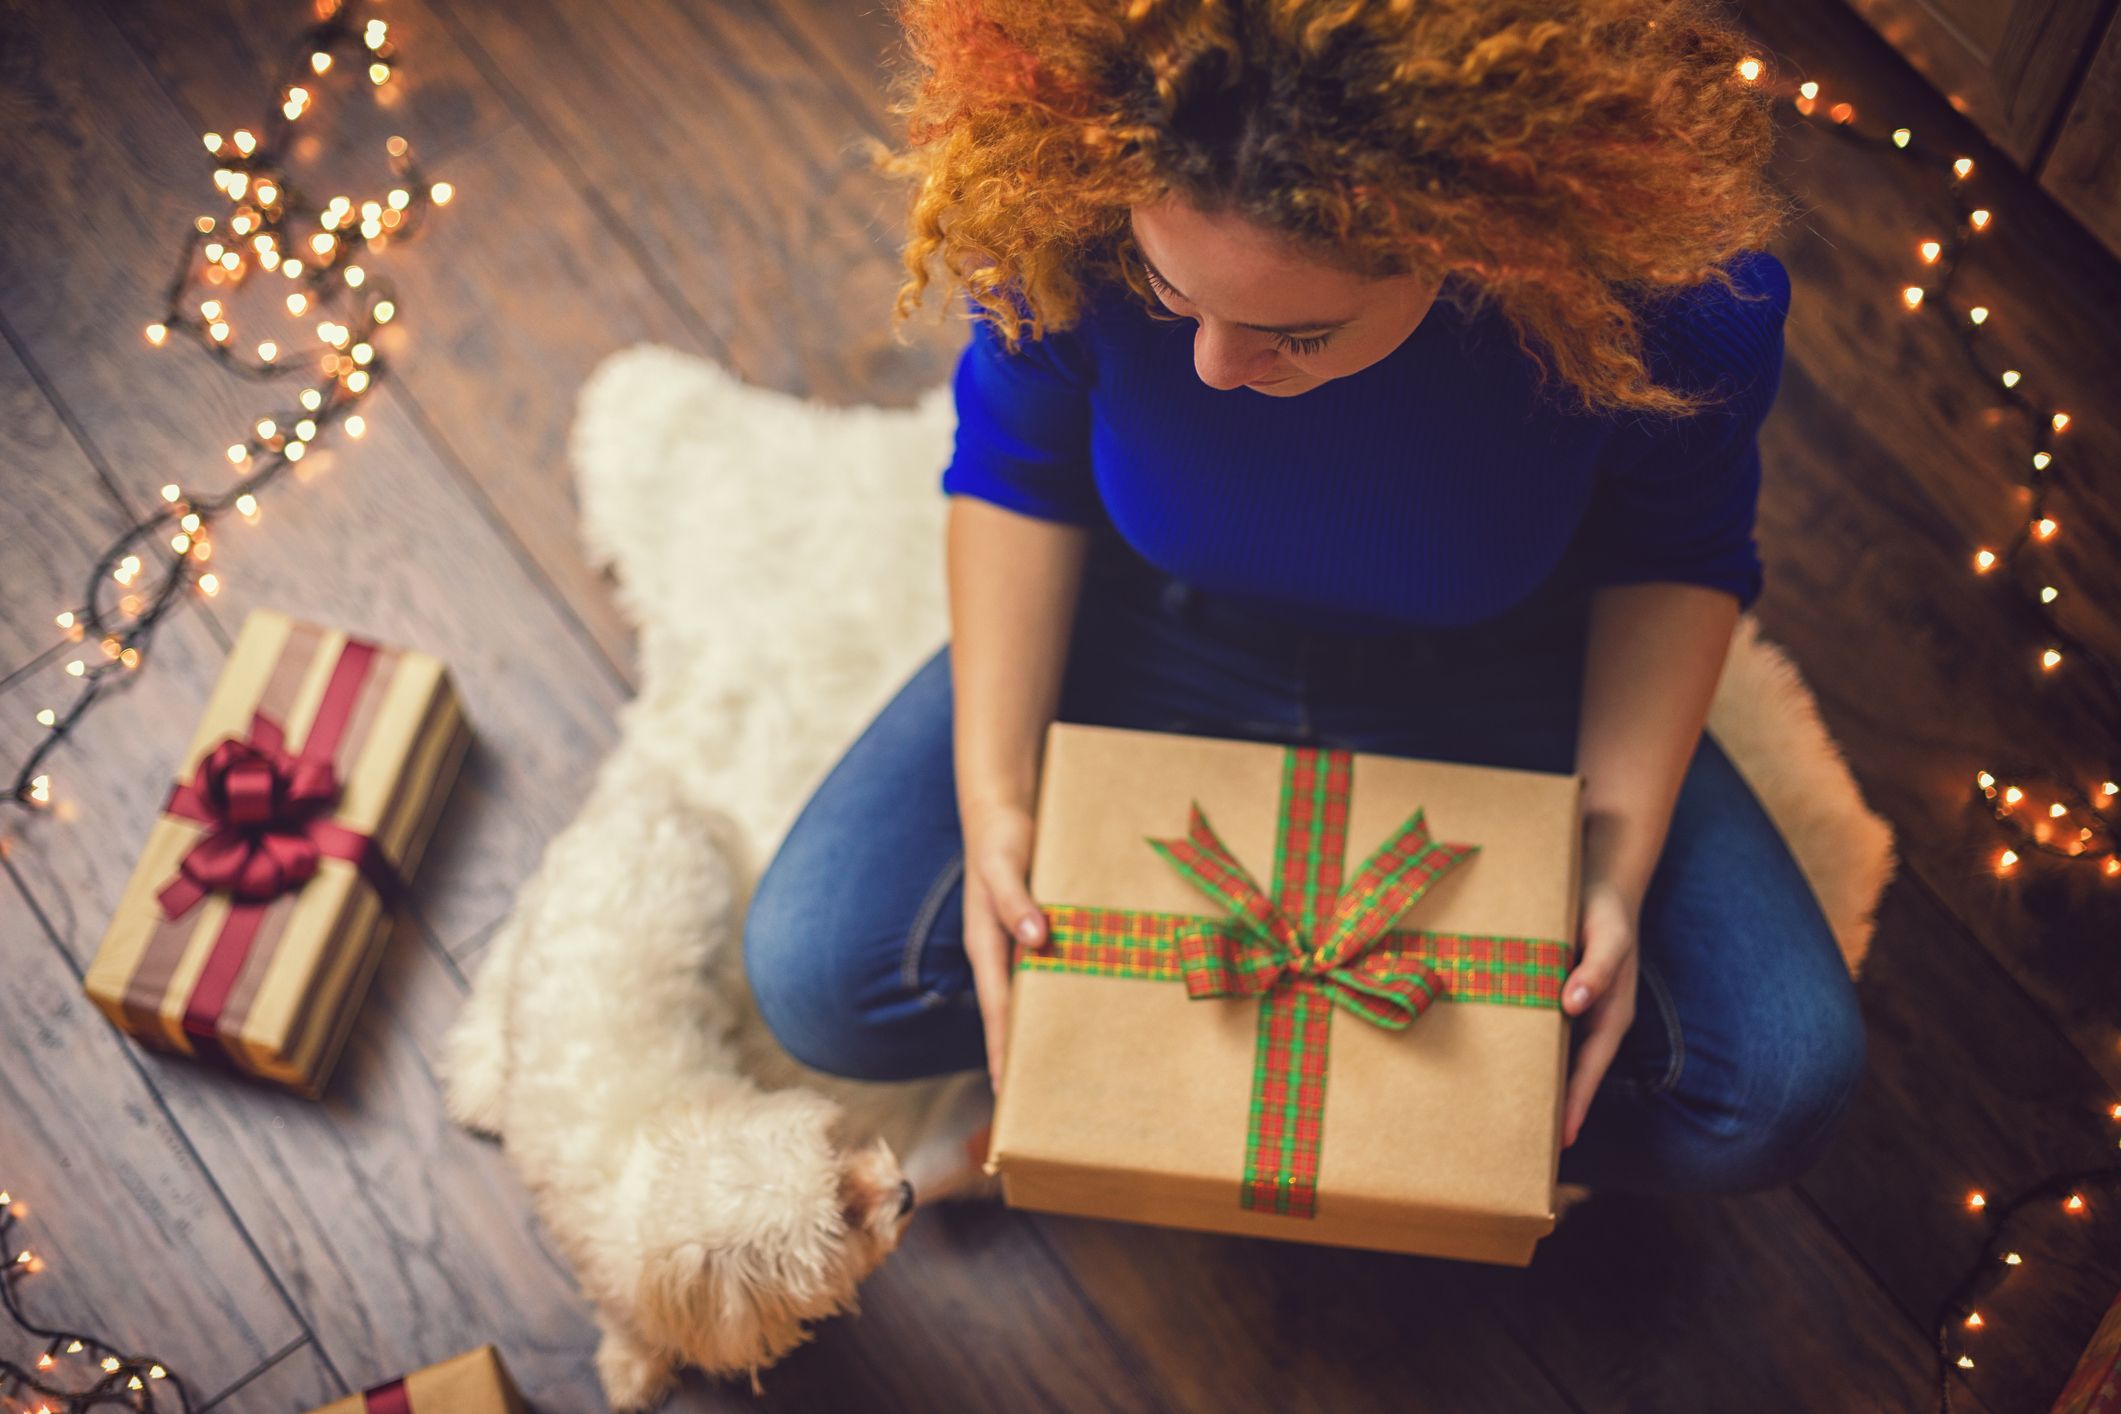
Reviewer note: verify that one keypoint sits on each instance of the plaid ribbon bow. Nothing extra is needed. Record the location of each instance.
(1310, 946)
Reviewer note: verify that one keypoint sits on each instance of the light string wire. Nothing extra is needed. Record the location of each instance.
(120, 1379)
(270, 229)
(1938, 258)
(2077, 821)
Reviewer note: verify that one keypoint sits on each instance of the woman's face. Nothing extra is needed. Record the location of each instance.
(1271, 320)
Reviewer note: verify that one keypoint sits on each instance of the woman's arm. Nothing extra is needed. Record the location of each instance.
(1013, 584)
(1655, 653)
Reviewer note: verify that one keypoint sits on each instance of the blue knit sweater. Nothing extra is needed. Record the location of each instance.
(1437, 487)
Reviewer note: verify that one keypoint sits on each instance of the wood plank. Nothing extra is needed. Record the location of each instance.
(382, 536)
(1969, 1088)
(2079, 170)
(1232, 1323)
(733, 163)
(513, 296)
(289, 1383)
(1647, 1305)
(138, 1243)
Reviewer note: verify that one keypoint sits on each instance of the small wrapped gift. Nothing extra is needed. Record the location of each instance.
(2095, 1386)
(259, 908)
(472, 1383)
(1293, 992)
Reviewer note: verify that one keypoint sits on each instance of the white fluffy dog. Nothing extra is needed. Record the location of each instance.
(709, 1220)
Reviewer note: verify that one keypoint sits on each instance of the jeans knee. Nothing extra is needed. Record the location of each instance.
(1797, 1098)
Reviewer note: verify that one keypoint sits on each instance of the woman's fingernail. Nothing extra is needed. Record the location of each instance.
(1579, 994)
(1027, 929)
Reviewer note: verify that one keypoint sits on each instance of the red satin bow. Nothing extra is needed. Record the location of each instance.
(270, 812)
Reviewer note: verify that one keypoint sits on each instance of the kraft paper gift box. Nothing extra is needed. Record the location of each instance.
(260, 905)
(1293, 992)
(475, 1382)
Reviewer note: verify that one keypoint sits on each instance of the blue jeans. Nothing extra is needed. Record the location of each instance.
(1747, 1042)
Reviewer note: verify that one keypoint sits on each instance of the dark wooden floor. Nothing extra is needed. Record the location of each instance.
(683, 170)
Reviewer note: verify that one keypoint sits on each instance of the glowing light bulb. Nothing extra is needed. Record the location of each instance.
(1808, 89)
(46, 716)
(245, 143)
(2040, 460)
(441, 192)
(305, 429)
(295, 451)
(356, 425)
(1750, 69)
(1973, 1320)
(1930, 250)
(1912, 296)
(1963, 168)
(1978, 218)
(268, 351)
(2011, 377)
(2074, 1203)
(209, 585)
(322, 242)
(312, 399)
(1902, 137)
(218, 329)
(400, 199)
(2059, 421)
(2012, 795)
(213, 142)
(320, 62)
(191, 521)
(2057, 810)
(1978, 314)
(157, 334)
(297, 302)
(355, 275)
(1842, 113)
(267, 192)
(2049, 594)
(2045, 527)
(2012, 1259)
(357, 381)
(172, 491)
(362, 353)
(238, 453)
(2050, 659)
(379, 74)
(385, 311)
(1984, 561)
(266, 428)
(246, 504)
(2006, 861)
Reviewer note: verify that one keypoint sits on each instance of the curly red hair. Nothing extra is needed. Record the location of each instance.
(1574, 159)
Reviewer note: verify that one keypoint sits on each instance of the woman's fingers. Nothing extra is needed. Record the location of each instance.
(988, 952)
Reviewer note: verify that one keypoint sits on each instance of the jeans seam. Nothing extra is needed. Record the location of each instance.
(1670, 1013)
(924, 922)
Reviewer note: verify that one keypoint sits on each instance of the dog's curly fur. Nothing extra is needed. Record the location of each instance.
(709, 1220)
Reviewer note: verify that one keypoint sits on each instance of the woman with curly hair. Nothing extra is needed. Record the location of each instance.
(1381, 374)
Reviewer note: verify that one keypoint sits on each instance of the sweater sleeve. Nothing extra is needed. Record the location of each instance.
(1023, 426)
(1677, 497)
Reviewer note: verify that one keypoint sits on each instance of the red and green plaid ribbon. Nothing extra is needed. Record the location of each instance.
(1313, 944)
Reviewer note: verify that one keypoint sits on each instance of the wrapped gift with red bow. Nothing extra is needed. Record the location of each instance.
(1293, 992)
(261, 902)
(475, 1382)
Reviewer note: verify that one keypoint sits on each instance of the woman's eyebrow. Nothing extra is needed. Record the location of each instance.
(1320, 326)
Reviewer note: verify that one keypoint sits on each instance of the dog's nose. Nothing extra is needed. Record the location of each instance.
(905, 1197)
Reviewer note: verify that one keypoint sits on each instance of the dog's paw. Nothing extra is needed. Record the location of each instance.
(634, 1376)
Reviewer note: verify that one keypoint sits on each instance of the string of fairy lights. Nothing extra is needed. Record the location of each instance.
(269, 244)
(79, 1370)
(2038, 813)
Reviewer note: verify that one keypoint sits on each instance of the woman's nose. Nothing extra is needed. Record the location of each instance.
(1225, 358)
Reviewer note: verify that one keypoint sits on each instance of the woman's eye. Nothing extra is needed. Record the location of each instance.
(1309, 345)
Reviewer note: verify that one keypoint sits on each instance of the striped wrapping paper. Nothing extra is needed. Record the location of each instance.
(263, 971)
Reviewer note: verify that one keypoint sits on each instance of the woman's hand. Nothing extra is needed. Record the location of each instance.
(1601, 990)
(998, 907)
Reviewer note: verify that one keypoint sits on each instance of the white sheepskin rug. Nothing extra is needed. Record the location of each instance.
(783, 562)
